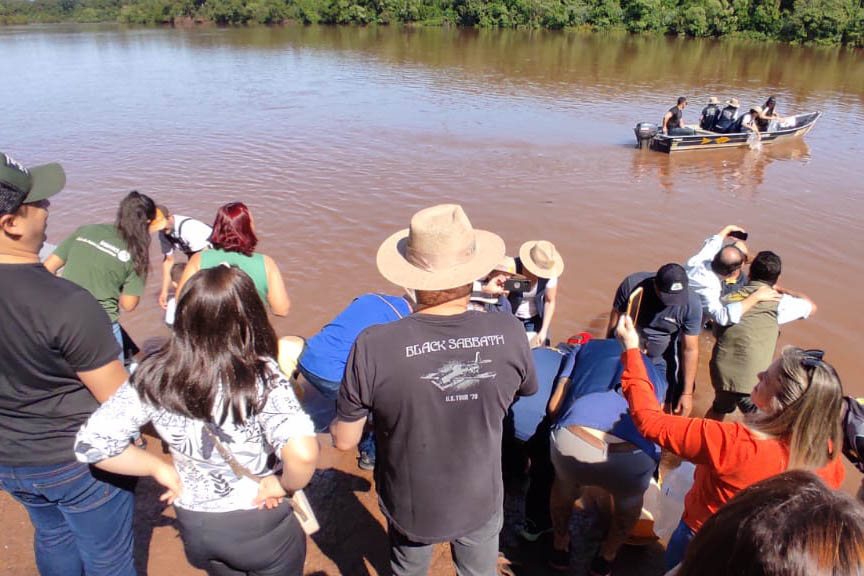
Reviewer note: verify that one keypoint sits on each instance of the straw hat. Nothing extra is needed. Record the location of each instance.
(756, 109)
(507, 265)
(733, 102)
(439, 251)
(713, 100)
(541, 259)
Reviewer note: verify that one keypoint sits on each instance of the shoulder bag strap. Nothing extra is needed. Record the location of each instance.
(239, 470)
(390, 304)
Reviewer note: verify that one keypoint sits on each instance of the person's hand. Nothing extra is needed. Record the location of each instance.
(537, 340)
(730, 228)
(685, 405)
(166, 475)
(626, 333)
(163, 299)
(495, 285)
(767, 294)
(270, 493)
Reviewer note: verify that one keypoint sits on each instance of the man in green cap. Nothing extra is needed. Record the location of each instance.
(59, 362)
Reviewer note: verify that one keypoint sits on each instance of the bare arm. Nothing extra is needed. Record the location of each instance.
(346, 435)
(103, 382)
(167, 263)
(53, 263)
(691, 363)
(191, 268)
(613, 323)
(299, 457)
(128, 302)
(548, 312)
(666, 118)
(277, 296)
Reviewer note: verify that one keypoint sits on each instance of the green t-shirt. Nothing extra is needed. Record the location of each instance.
(97, 259)
(253, 265)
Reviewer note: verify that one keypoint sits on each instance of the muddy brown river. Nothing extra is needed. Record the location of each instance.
(335, 136)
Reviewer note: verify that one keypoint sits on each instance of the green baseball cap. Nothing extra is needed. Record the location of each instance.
(24, 185)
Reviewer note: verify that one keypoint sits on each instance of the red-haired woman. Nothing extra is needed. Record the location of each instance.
(234, 243)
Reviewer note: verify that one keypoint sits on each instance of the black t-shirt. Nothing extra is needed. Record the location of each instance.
(439, 388)
(658, 324)
(675, 120)
(50, 329)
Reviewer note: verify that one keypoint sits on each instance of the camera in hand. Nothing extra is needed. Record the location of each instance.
(517, 284)
(740, 235)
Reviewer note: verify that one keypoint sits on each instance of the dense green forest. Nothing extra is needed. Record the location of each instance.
(797, 21)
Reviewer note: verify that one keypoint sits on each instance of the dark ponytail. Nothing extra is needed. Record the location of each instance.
(133, 221)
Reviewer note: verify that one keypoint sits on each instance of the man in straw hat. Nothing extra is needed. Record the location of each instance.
(438, 383)
(59, 360)
(710, 114)
(728, 117)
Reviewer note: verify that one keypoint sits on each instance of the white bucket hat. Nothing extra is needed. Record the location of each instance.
(541, 259)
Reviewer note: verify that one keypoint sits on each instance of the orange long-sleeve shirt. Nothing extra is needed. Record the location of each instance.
(728, 456)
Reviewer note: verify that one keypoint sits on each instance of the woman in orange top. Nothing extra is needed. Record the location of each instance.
(799, 398)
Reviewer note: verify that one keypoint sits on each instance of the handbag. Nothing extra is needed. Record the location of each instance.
(298, 501)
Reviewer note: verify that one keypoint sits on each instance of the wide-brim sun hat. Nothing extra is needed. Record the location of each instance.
(438, 251)
(713, 100)
(733, 102)
(541, 259)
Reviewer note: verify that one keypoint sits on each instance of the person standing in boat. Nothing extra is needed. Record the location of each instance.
(710, 114)
(673, 121)
(728, 116)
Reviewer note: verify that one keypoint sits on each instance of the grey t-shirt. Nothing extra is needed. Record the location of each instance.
(439, 388)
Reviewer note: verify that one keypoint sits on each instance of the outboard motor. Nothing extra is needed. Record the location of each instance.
(645, 131)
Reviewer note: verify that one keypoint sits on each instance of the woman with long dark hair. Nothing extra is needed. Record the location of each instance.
(234, 242)
(215, 393)
(111, 261)
(797, 426)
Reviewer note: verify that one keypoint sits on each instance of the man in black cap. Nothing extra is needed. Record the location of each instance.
(59, 361)
(669, 312)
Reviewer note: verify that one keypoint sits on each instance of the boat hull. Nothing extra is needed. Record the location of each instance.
(704, 140)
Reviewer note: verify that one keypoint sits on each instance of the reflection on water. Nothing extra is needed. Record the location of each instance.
(334, 136)
(739, 171)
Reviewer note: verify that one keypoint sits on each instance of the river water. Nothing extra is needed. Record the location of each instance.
(335, 136)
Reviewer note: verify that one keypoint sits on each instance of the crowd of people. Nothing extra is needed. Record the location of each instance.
(725, 118)
(438, 388)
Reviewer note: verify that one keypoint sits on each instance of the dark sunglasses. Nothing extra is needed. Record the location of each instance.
(813, 358)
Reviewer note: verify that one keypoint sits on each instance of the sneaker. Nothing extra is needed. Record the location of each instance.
(599, 567)
(559, 560)
(531, 532)
(365, 461)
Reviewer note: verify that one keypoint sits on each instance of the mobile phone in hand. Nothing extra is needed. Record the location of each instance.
(739, 234)
(517, 284)
(633, 304)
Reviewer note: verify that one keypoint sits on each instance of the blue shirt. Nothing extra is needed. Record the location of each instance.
(593, 398)
(528, 411)
(327, 351)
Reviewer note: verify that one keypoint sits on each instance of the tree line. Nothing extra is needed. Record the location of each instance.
(830, 22)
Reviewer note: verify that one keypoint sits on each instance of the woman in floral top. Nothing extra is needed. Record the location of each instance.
(216, 396)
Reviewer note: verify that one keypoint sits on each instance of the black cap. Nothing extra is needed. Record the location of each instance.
(671, 284)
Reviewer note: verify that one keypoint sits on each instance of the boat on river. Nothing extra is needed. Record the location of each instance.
(792, 127)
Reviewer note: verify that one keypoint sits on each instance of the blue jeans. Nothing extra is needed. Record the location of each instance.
(118, 335)
(82, 524)
(677, 547)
